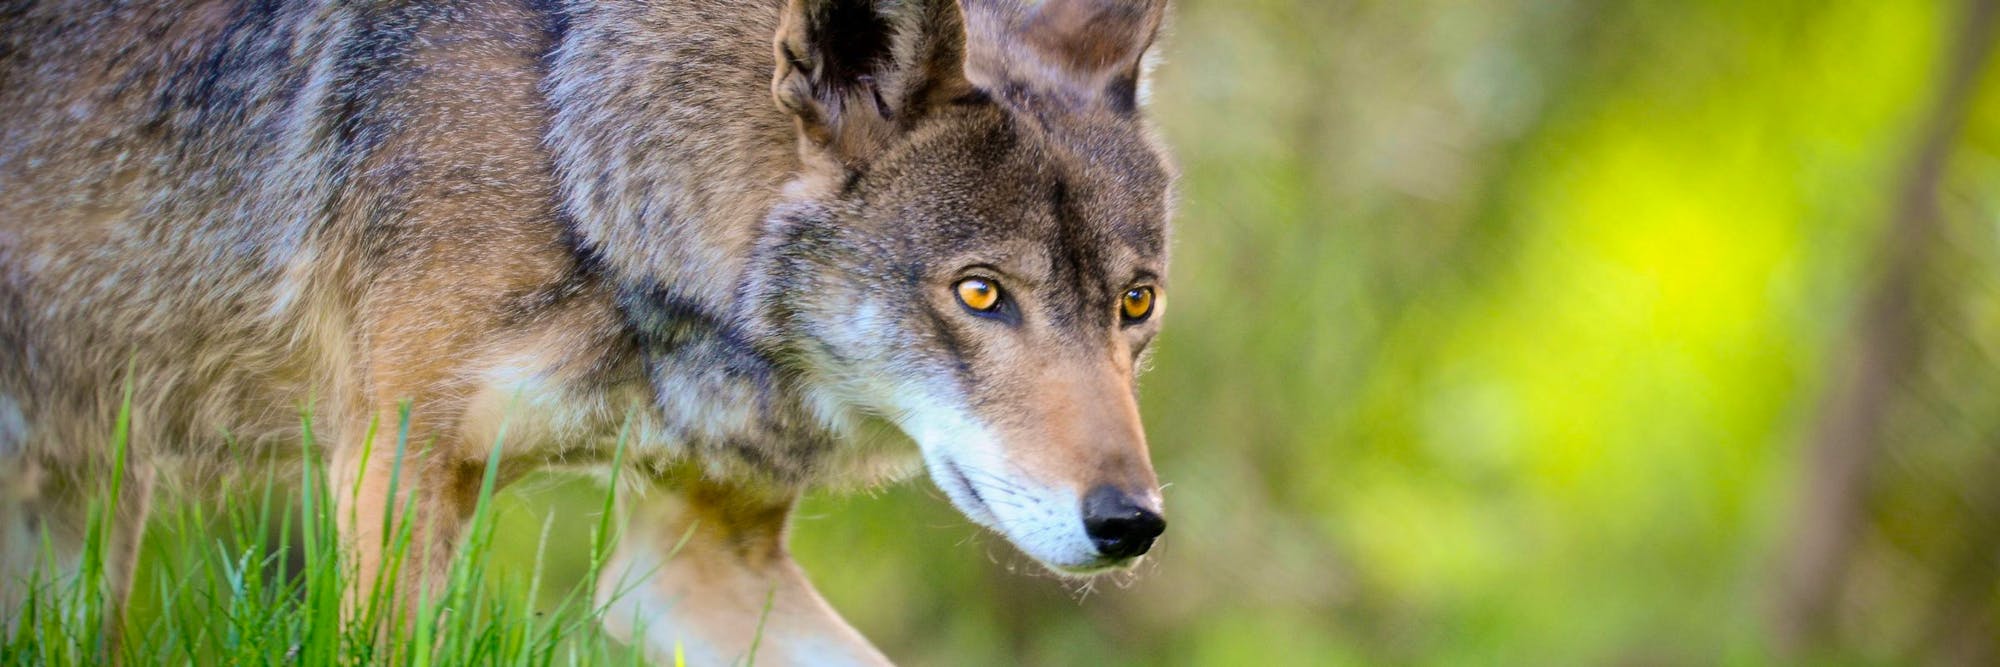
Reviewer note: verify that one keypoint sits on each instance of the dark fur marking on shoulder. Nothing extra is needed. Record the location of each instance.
(663, 319)
(669, 324)
(555, 20)
(801, 237)
(371, 64)
(243, 66)
(589, 257)
(796, 236)
(530, 305)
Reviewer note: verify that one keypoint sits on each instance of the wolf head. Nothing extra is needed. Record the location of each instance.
(977, 250)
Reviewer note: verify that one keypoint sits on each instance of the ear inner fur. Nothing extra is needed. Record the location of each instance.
(834, 57)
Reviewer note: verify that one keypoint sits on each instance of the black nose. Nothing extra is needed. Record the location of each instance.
(1118, 525)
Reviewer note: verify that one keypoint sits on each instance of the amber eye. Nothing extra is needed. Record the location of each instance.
(978, 294)
(1137, 304)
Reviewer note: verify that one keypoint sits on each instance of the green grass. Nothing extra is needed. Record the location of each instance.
(256, 578)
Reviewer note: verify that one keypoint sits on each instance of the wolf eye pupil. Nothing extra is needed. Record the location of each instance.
(978, 294)
(1138, 303)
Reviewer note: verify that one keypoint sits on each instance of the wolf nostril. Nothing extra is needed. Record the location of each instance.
(1118, 525)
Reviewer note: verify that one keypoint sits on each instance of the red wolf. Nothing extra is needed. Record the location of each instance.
(749, 230)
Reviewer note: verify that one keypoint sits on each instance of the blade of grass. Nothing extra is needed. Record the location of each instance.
(757, 639)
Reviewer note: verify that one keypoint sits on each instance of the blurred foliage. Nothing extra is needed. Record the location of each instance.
(1496, 333)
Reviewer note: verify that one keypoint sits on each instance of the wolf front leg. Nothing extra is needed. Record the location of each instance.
(399, 504)
(703, 569)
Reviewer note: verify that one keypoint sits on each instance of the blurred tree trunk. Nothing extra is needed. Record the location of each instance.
(1847, 439)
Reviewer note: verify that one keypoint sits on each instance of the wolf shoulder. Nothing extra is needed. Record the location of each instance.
(250, 185)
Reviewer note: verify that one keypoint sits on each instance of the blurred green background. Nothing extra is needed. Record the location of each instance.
(1508, 332)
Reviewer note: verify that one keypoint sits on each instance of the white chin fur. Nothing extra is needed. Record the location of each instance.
(969, 464)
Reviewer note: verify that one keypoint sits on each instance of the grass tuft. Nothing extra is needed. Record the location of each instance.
(257, 578)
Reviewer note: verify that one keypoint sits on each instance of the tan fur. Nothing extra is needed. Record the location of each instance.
(730, 563)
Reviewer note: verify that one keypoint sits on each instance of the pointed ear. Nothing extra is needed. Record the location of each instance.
(854, 73)
(1090, 50)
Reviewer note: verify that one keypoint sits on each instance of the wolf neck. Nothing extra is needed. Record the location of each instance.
(671, 154)
(668, 146)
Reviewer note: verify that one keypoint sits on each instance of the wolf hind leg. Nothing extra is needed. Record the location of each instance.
(702, 568)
